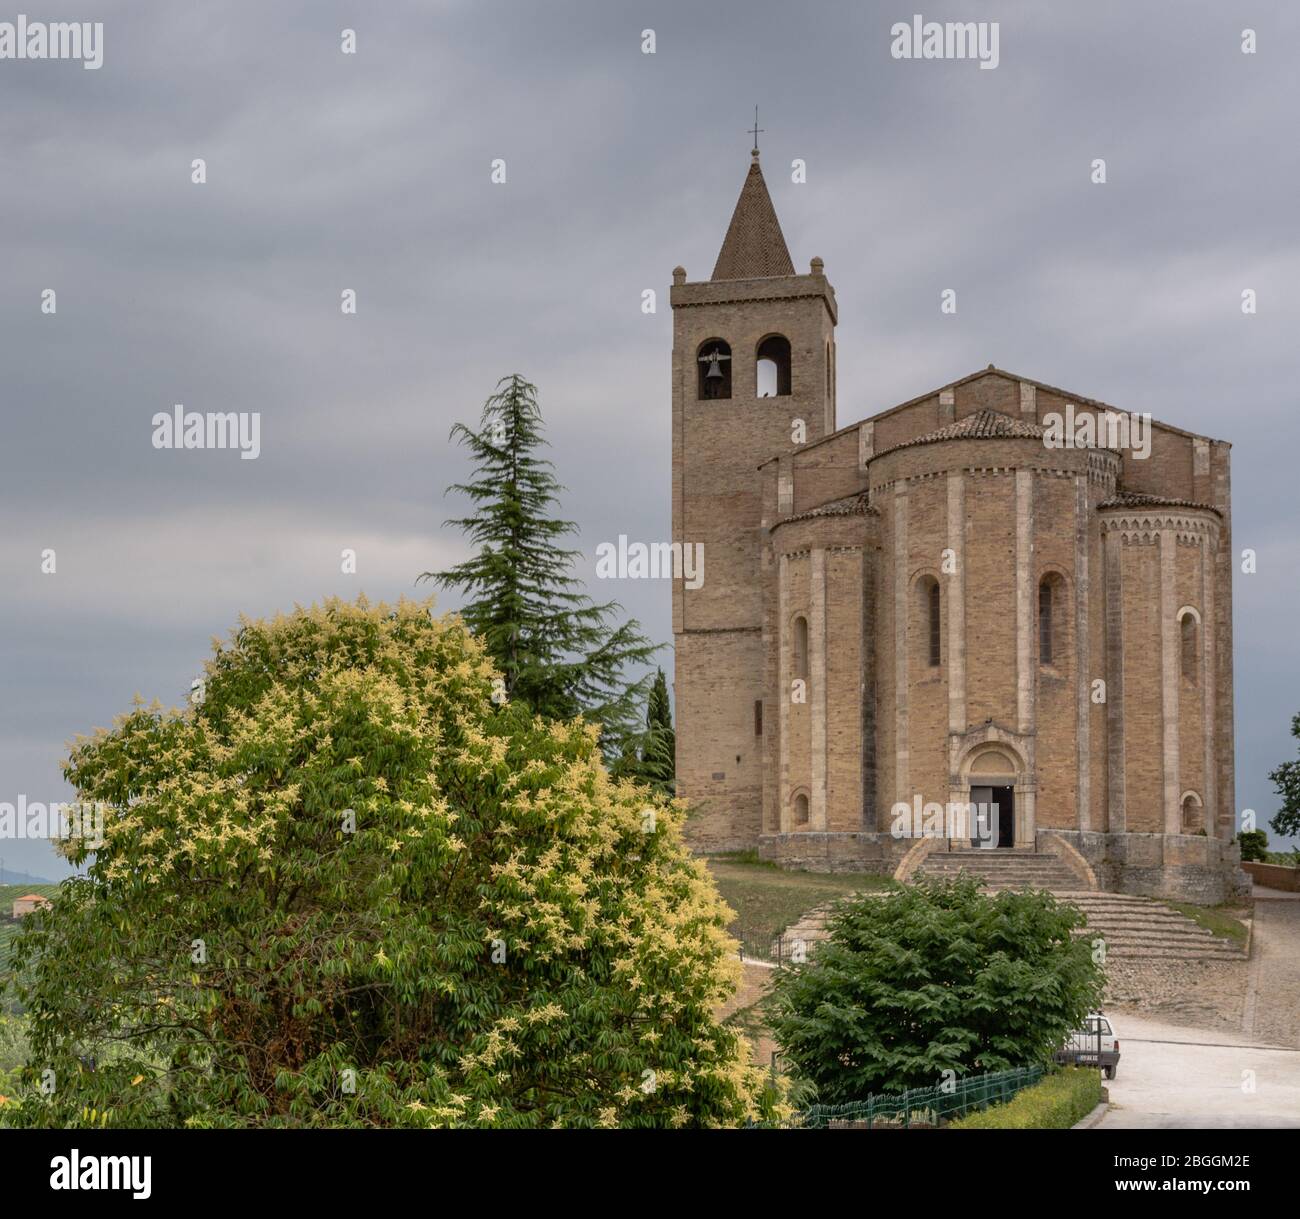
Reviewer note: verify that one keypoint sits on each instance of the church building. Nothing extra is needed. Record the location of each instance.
(998, 593)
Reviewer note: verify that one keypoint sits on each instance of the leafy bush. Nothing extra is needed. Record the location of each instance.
(349, 889)
(1054, 1103)
(930, 978)
(1254, 845)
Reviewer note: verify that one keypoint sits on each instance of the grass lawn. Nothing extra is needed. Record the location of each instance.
(1221, 920)
(768, 899)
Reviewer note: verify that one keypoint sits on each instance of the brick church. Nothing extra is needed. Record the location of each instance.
(939, 606)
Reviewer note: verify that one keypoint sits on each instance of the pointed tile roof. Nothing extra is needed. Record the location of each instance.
(754, 246)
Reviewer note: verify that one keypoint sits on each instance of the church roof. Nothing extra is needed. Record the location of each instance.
(982, 425)
(1135, 499)
(847, 505)
(754, 247)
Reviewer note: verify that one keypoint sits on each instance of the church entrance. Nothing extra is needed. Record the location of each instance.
(995, 816)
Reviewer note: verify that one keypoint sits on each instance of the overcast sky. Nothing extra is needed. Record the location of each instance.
(373, 172)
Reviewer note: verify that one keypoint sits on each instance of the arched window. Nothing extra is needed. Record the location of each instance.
(1053, 631)
(1045, 623)
(801, 808)
(931, 614)
(1193, 820)
(801, 647)
(714, 364)
(772, 375)
(1187, 631)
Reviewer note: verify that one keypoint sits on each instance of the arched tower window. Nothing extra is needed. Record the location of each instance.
(931, 612)
(772, 375)
(714, 364)
(1187, 634)
(801, 647)
(1193, 819)
(800, 808)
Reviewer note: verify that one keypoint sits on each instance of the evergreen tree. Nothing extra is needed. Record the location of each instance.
(560, 653)
(650, 757)
(659, 753)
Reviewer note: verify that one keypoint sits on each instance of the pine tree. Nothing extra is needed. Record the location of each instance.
(561, 654)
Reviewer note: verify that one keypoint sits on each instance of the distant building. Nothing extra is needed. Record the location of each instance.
(23, 906)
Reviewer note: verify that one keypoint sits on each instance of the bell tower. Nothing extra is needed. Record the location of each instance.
(753, 379)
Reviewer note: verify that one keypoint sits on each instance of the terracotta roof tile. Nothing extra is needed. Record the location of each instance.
(847, 505)
(982, 425)
(754, 247)
(1135, 499)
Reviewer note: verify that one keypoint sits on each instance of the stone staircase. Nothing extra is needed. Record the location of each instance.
(1134, 928)
(1004, 869)
(1140, 929)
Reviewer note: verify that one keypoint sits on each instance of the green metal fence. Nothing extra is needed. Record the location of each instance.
(924, 1106)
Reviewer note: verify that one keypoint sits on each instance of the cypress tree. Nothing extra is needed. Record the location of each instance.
(658, 755)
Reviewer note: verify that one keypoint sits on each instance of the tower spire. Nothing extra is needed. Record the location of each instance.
(754, 247)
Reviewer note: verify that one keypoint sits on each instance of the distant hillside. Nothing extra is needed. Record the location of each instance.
(9, 877)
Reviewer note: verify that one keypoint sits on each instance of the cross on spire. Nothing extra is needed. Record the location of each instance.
(756, 130)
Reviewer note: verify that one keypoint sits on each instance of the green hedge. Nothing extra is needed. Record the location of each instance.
(1056, 1103)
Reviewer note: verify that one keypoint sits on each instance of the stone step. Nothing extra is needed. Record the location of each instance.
(1132, 927)
(1165, 939)
(1157, 953)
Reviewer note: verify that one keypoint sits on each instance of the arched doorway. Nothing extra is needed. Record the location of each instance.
(991, 776)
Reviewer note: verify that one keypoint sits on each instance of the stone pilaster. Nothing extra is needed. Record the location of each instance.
(1169, 678)
(1209, 632)
(1025, 675)
(866, 444)
(1113, 557)
(956, 587)
(783, 694)
(1082, 639)
(817, 702)
(1029, 401)
(902, 777)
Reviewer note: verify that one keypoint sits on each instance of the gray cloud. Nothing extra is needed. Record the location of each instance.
(373, 173)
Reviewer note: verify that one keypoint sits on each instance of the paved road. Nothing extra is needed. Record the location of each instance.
(1174, 1077)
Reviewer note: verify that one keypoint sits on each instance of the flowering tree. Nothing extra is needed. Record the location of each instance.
(348, 887)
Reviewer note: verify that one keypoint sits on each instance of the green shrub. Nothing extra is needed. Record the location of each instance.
(933, 977)
(1254, 845)
(1055, 1103)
